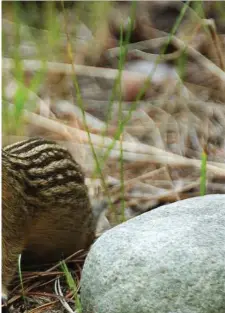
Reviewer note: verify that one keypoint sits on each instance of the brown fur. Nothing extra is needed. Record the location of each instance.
(44, 227)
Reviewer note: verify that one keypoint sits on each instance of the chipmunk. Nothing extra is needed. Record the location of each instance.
(46, 212)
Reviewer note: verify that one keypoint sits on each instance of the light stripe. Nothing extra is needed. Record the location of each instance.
(14, 160)
(63, 177)
(42, 147)
(18, 145)
(41, 181)
(60, 189)
(54, 165)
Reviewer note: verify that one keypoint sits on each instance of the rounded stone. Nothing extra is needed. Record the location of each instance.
(169, 260)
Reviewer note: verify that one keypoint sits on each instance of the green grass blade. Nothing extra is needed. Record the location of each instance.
(72, 285)
(21, 279)
(203, 174)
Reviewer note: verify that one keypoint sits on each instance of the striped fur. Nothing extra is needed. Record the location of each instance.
(46, 213)
(44, 170)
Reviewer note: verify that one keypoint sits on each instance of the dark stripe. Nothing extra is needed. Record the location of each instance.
(13, 159)
(74, 191)
(57, 171)
(32, 195)
(34, 143)
(14, 175)
(78, 192)
(21, 143)
(39, 161)
(45, 162)
(50, 147)
(28, 179)
(37, 157)
(23, 170)
(31, 189)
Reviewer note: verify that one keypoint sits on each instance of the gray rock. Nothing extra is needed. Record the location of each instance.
(169, 260)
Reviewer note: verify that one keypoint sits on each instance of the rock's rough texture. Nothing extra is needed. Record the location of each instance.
(170, 260)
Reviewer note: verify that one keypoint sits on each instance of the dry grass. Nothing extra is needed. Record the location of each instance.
(139, 136)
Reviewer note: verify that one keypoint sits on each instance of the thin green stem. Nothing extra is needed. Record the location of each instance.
(203, 174)
(80, 104)
(147, 83)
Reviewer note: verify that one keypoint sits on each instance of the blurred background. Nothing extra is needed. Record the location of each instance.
(134, 90)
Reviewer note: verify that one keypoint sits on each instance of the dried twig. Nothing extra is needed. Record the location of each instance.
(181, 45)
(149, 152)
(59, 293)
(64, 68)
(202, 60)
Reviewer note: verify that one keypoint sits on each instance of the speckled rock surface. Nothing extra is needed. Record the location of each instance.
(169, 260)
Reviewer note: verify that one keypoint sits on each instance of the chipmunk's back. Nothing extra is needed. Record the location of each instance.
(45, 170)
(46, 210)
